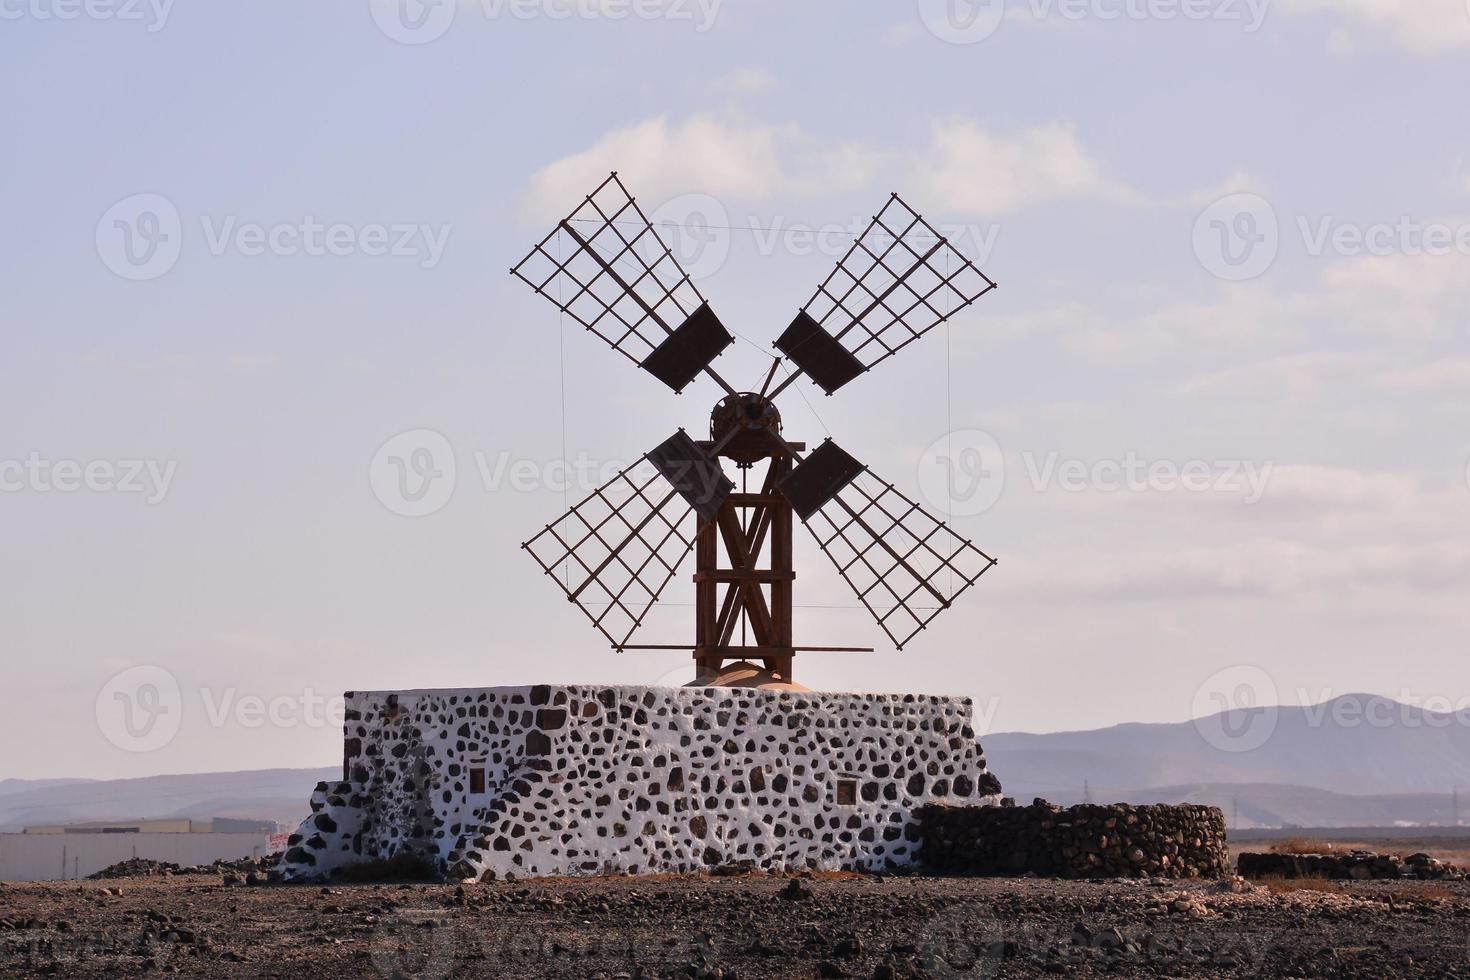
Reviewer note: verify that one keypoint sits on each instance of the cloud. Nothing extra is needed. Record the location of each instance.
(963, 169)
(725, 157)
(1419, 26)
(1410, 300)
(1250, 317)
(1325, 532)
(1262, 567)
(1058, 318)
(1286, 378)
(1341, 487)
(1403, 297)
(1336, 539)
(966, 167)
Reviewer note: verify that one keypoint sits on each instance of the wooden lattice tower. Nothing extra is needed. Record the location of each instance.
(743, 604)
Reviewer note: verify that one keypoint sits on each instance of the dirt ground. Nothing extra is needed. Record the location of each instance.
(747, 927)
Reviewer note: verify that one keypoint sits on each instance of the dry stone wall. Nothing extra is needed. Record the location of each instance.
(1088, 841)
(1353, 865)
(556, 780)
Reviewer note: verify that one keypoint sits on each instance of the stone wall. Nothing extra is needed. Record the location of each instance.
(556, 780)
(1352, 865)
(1088, 841)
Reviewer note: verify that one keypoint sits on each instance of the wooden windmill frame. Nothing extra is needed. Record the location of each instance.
(616, 551)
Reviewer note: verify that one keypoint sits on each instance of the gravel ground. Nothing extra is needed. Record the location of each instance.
(748, 927)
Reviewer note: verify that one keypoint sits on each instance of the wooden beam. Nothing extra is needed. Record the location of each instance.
(705, 593)
(758, 523)
(682, 647)
(706, 445)
(743, 570)
(744, 575)
(782, 558)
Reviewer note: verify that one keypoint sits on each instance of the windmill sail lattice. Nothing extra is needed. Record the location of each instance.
(900, 279)
(606, 267)
(905, 565)
(616, 551)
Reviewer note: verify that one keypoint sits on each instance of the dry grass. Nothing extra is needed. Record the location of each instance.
(1281, 885)
(1303, 845)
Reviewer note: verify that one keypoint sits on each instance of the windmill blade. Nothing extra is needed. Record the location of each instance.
(616, 551)
(606, 267)
(905, 565)
(900, 280)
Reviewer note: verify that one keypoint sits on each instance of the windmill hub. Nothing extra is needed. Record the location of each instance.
(748, 419)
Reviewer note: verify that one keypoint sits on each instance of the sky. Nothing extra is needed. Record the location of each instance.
(1213, 423)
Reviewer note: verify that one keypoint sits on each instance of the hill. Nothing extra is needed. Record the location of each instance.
(265, 794)
(1403, 750)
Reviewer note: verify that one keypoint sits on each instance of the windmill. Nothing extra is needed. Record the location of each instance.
(616, 551)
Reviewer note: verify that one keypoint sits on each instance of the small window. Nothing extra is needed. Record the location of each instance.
(477, 782)
(847, 792)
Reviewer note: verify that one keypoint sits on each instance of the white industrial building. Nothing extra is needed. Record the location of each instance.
(50, 853)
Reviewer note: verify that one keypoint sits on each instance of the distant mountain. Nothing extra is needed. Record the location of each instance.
(266, 794)
(9, 786)
(1340, 760)
(1251, 805)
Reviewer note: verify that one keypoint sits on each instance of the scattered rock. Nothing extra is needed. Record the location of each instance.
(795, 891)
(1352, 866)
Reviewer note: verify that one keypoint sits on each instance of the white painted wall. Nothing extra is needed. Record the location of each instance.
(596, 793)
(47, 857)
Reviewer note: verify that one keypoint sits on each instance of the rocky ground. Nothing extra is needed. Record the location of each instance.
(753, 926)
